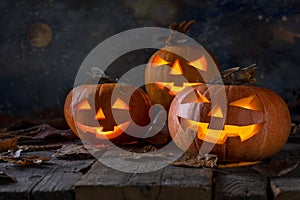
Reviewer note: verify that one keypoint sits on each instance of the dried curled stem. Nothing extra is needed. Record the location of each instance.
(183, 27)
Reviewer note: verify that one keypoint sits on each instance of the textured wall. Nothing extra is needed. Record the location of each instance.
(33, 79)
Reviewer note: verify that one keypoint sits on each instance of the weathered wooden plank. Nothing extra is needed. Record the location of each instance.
(53, 180)
(27, 178)
(240, 183)
(186, 183)
(285, 188)
(101, 181)
(288, 185)
(143, 186)
(169, 183)
(59, 182)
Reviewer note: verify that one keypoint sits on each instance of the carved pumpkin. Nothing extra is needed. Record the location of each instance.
(89, 111)
(167, 73)
(255, 125)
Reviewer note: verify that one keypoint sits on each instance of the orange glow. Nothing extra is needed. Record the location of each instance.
(174, 90)
(216, 112)
(195, 97)
(251, 103)
(200, 63)
(220, 136)
(176, 68)
(118, 130)
(83, 105)
(100, 115)
(201, 98)
(120, 104)
(158, 61)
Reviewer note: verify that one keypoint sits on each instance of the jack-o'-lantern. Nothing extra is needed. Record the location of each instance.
(175, 67)
(90, 111)
(255, 125)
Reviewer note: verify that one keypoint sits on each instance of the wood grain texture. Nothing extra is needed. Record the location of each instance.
(286, 188)
(27, 178)
(59, 182)
(168, 183)
(186, 183)
(240, 183)
(288, 185)
(53, 180)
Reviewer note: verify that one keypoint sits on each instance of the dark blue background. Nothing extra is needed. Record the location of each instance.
(236, 33)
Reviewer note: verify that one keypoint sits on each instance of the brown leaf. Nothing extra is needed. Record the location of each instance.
(6, 178)
(73, 152)
(7, 143)
(46, 147)
(49, 132)
(27, 160)
(208, 160)
(41, 132)
(276, 168)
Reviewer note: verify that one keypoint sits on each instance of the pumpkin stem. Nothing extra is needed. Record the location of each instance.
(183, 27)
(239, 76)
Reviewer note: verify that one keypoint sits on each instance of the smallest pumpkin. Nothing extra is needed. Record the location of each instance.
(90, 110)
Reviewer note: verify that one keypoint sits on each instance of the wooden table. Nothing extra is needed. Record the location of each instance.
(89, 179)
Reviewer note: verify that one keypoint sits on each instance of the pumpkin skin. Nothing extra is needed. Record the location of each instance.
(257, 123)
(95, 122)
(167, 73)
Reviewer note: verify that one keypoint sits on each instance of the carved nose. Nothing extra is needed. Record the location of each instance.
(216, 111)
(176, 68)
(100, 115)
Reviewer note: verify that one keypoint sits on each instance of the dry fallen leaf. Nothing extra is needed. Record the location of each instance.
(41, 132)
(209, 160)
(15, 157)
(26, 160)
(7, 143)
(48, 132)
(73, 152)
(276, 168)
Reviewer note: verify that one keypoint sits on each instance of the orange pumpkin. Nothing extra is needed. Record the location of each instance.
(91, 111)
(255, 125)
(167, 73)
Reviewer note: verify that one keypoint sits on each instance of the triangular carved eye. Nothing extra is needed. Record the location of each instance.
(120, 104)
(83, 105)
(250, 103)
(176, 68)
(216, 111)
(200, 63)
(100, 114)
(158, 61)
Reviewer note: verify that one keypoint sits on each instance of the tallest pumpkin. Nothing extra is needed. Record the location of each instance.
(177, 66)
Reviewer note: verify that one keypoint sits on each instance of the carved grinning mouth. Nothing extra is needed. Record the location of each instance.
(118, 130)
(173, 89)
(220, 136)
